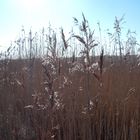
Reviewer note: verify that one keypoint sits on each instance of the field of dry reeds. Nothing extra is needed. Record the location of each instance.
(56, 87)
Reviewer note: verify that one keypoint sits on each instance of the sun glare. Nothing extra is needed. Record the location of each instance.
(31, 5)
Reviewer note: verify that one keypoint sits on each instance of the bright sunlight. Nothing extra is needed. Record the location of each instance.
(30, 5)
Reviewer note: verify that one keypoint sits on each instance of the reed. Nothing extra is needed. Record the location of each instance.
(57, 89)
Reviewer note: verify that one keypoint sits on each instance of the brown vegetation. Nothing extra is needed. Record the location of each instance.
(62, 97)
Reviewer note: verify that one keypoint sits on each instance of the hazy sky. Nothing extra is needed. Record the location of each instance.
(38, 13)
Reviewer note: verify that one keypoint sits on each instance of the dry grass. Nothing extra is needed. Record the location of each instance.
(113, 111)
(69, 98)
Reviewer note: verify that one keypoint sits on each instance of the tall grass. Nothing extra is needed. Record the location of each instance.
(48, 91)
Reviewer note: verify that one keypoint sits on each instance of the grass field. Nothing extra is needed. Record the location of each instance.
(66, 95)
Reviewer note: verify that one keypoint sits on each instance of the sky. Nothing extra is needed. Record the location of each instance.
(35, 14)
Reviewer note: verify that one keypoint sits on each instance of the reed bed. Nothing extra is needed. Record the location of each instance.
(51, 92)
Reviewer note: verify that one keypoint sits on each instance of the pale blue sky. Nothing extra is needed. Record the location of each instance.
(38, 13)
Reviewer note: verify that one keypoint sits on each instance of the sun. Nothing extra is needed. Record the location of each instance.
(30, 5)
